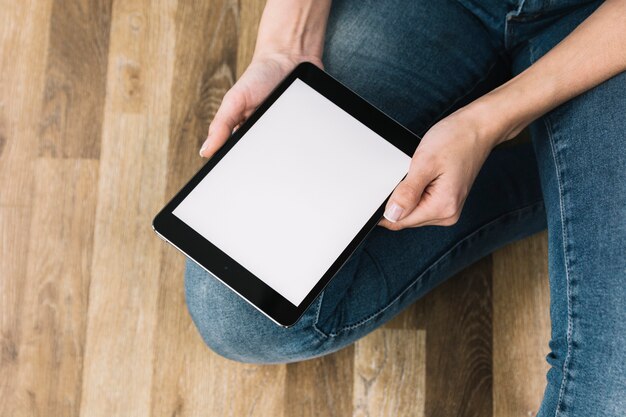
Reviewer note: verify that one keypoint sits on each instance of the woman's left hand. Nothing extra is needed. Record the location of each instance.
(442, 170)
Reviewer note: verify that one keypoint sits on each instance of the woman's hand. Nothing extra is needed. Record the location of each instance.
(289, 32)
(442, 170)
(262, 75)
(452, 152)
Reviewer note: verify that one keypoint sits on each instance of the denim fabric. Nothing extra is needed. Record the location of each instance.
(418, 61)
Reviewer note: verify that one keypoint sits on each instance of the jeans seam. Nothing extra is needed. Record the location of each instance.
(510, 16)
(568, 355)
(317, 317)
(426, 271)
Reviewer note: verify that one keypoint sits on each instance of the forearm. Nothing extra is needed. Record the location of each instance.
(293, 27)
(591, 54)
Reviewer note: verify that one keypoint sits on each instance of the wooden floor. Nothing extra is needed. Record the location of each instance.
(102, 110)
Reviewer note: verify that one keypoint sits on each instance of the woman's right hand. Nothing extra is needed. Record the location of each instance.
(263, 74)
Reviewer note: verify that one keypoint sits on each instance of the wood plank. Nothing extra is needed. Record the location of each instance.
(413, 317)
(56, 289)
(390, 373)
(250, 12)
(23, 42)
(521, 326)
(459, 344)
(51, 328)
(205, 70)
(14, 226)
(238, 389)
(73, 105)
(119, 350)
(321, 386)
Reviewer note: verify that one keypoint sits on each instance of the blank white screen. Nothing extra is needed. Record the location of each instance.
(294, 191)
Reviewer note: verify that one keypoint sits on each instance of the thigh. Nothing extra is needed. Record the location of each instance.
(581, 152)
(416, 61)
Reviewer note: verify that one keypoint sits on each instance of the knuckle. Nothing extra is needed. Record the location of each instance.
(233, 96)
(426, 161)
(407, 192)
(449, 207)
(228, 101)
(214, 128)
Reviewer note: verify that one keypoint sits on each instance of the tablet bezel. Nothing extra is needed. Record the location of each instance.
(223, 267)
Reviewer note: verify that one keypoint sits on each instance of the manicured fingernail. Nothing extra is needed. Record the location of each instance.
(393, 212)
(204, 146)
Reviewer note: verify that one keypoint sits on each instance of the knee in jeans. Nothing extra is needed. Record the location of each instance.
(235, 330)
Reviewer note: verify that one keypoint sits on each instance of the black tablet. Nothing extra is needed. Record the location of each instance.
(277, 211)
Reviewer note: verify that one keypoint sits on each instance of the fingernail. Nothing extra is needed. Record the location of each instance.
(204, 146)
(393, 212)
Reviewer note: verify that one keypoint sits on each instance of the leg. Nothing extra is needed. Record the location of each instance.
(402, 68)
(416, 61)
(581, 152)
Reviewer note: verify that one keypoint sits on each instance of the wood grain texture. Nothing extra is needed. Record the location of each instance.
(23, 42)
(321, 386)
(243, 389)
(72, 110)
(521, 326)
(14, 223)
(55, 299)
(413, 317)
(249, 16)
(206, 61)
(458, 344)
(125, 272)
(390, 374)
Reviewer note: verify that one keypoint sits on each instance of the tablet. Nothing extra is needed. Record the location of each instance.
(281, 206)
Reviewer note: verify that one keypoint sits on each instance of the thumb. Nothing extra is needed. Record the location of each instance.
(230, 114)
(406, 196)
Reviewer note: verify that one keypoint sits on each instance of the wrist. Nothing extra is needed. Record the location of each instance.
(293, 28)
(497, 116)
(488, 123)
(508, 109)
(292, 47)
(278, 53)
(283, 60)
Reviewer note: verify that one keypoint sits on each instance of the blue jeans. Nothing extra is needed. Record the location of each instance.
(418, 61)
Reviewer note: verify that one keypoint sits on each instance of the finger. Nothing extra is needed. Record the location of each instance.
(439, 208)
(407, 194)
(230, 114)
(407, 220)
(388, 225)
